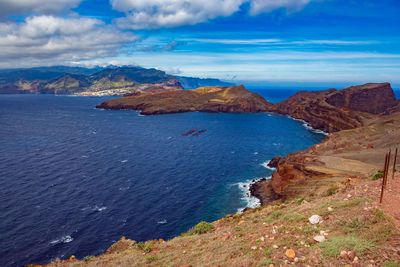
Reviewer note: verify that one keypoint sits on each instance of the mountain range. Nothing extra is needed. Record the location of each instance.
(126, 80)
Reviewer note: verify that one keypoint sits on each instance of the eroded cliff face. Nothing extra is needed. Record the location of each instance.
(335, 110)
(207, 99)
(365, 121)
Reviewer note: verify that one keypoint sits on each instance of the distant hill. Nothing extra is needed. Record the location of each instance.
(193, 83)
(95, 81)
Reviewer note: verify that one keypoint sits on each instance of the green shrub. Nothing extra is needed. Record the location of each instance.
(300, 200)
(377, 176)
(333, 247)
(332, 190)
(87, 258)
(151, 258)
(144, 247)
(202, 228)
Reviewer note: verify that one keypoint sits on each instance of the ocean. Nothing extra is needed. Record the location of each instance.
(75, 179)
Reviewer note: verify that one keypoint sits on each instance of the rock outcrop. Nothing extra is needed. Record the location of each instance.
(364, 121)
(335, 110)
(207, 99)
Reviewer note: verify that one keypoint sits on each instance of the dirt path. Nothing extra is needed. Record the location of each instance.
(391, 198)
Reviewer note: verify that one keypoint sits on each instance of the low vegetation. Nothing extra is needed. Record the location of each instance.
(202, 228)
(350, 221)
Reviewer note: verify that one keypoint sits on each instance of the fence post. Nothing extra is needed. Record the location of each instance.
(383, 179)
(387, 166)
(394, 163)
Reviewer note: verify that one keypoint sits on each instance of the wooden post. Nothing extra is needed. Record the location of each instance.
(387, 167)
(394, 163)
(383, 179)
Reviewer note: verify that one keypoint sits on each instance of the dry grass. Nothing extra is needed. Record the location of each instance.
(260, 237)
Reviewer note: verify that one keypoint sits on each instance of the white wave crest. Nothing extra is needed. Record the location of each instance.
(64, 239)
(265, 165)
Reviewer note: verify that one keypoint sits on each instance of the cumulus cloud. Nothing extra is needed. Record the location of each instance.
(154, 14)
(50, 38)
(18, 7)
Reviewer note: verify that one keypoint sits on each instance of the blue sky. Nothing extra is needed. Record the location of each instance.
(322, 43)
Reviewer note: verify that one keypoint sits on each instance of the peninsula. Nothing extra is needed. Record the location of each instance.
(207, 99)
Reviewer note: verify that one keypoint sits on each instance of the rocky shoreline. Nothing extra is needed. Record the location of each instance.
(354, 119)
(359, 135)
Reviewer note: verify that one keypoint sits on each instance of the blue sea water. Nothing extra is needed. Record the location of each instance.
(75, 179)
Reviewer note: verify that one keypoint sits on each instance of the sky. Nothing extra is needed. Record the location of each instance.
(326, 43)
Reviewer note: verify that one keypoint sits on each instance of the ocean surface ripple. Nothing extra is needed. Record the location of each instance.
(74, 179)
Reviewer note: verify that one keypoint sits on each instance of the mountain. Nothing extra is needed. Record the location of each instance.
(111, 80)
(334, 110)
(209, 99)
(193, 83)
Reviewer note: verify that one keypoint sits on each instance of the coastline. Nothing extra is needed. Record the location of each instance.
(261, 188)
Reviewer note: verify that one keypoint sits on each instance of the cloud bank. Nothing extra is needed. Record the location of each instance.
(49, 38)
(18, 7)
(155, 14)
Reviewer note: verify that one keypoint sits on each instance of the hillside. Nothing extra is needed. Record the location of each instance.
(207, 99)
(334, 110)
(110, 81)
(352, 227)
(117, 81)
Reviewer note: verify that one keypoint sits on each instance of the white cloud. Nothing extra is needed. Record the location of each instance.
(18, 7)
(154, 14)
(265, 6)
(62, 40)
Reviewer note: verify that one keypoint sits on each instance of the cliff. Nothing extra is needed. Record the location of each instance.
(207, 99)
(368, 118)
(335, 110)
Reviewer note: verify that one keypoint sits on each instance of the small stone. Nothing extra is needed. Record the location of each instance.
(262, 239)
(345, 199)
(356, 264)
(302, 242)
(266, 236)
(343, 254)
(253, 247)
(351, 255)
(330, 209)
(275, 246)
(290, 253)
(314, 219)
(349, 196)
(271, 265)
(355, 259)
(296, 259)
(319, 238)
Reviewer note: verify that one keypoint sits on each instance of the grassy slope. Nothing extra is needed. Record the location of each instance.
(261, 237)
